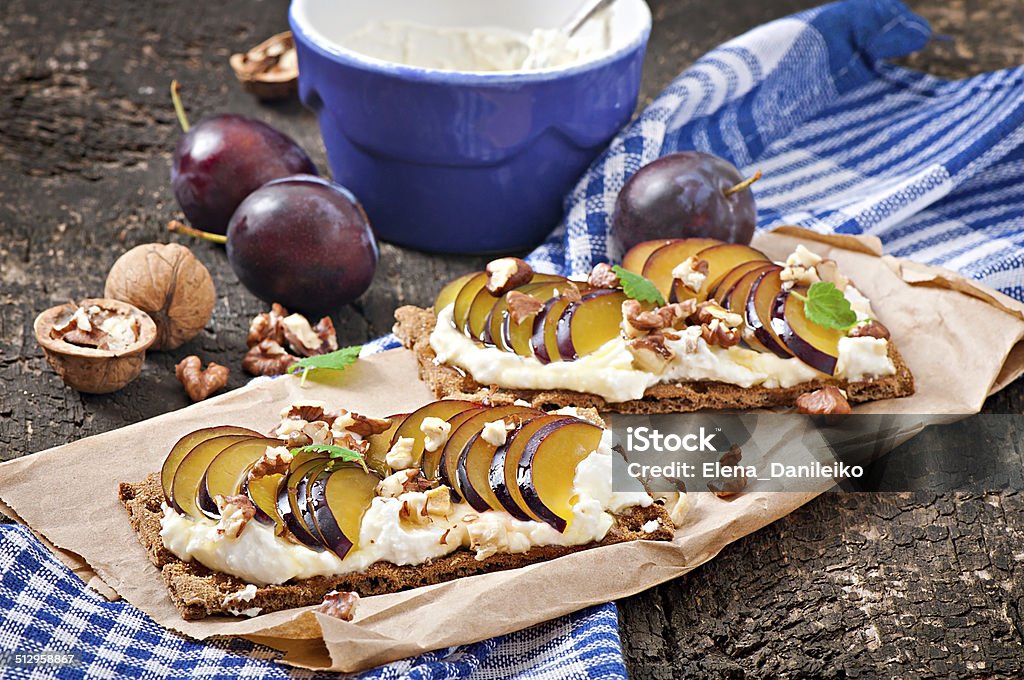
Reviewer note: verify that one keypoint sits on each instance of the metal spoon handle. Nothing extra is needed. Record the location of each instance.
(580, 16)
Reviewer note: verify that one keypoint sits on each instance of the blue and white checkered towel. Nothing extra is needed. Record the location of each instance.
(45, 608)
(847, 143)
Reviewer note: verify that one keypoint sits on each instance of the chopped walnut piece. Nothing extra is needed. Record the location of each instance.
(801, 268)
(650, 352)
(319, 432)
(710, 310)
(267, 358)
(267, 326)
(636, 321)
(718, 333)
(603, 276)
(309, 413)
(798, 276)
(270, 333)
(297, 438)
(571, 292)
(420, 483)
(275, 461)
(235, 513)
(718, 326)
(393, 485)
(692, 273)
(729, 486)
(828, 271)
(350, 442)
(522, 306)
(404, 481)
(305, 340)
(200, 383)
(364, 426)
(829, 400)
(341, 606)
(507, 273)
(324, 330)
(871, 329)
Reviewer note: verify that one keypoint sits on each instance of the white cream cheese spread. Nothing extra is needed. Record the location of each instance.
(261, 557)
(610, 373)
(479, 48)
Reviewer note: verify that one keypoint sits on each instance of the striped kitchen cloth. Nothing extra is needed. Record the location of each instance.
(45, 610)
(847, 142)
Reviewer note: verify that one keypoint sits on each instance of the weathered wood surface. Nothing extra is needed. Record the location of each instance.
(850, 585)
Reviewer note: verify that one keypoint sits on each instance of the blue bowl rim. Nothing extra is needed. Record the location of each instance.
(369, 64)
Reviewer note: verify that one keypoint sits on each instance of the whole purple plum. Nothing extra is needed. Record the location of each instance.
(303, 241)
(683, 195)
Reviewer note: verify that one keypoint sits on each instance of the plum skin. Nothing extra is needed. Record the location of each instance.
(224, 158)
(304, 242)
(682, 195)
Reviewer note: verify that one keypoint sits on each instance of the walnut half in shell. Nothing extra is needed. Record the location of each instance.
(89, 368)
(271, 69)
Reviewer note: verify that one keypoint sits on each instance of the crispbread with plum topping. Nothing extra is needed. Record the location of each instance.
(414, 326)
(198, 592)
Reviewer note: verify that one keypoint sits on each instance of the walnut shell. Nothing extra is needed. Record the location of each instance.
(87, 369)
(167, 282)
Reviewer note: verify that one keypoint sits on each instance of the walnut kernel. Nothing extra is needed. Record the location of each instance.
(522, 306)
(871, 329)
(200, 383)
(829, 400)
(267, 358)
(341, 605)
(603, 276)
(507, 273)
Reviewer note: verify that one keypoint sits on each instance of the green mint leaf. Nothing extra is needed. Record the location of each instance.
(334, 361)
(336, 452)
(826, 306)
(638, 287)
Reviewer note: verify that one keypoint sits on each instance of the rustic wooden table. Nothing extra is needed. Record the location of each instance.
(850, 585)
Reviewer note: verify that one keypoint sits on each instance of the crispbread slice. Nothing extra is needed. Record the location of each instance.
(199, 592)
(414, 325)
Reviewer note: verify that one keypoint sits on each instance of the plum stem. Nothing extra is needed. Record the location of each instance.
(181, 228)
(179, 109)
(744, 184)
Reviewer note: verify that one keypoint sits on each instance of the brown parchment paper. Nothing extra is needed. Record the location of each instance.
(962, 342)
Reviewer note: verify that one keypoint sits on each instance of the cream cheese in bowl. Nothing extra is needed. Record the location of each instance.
(478, 48)
(460, 124)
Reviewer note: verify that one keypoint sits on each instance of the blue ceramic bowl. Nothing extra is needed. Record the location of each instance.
(463, 162)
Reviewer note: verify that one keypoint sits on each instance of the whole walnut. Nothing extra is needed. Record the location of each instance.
(167, 282)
